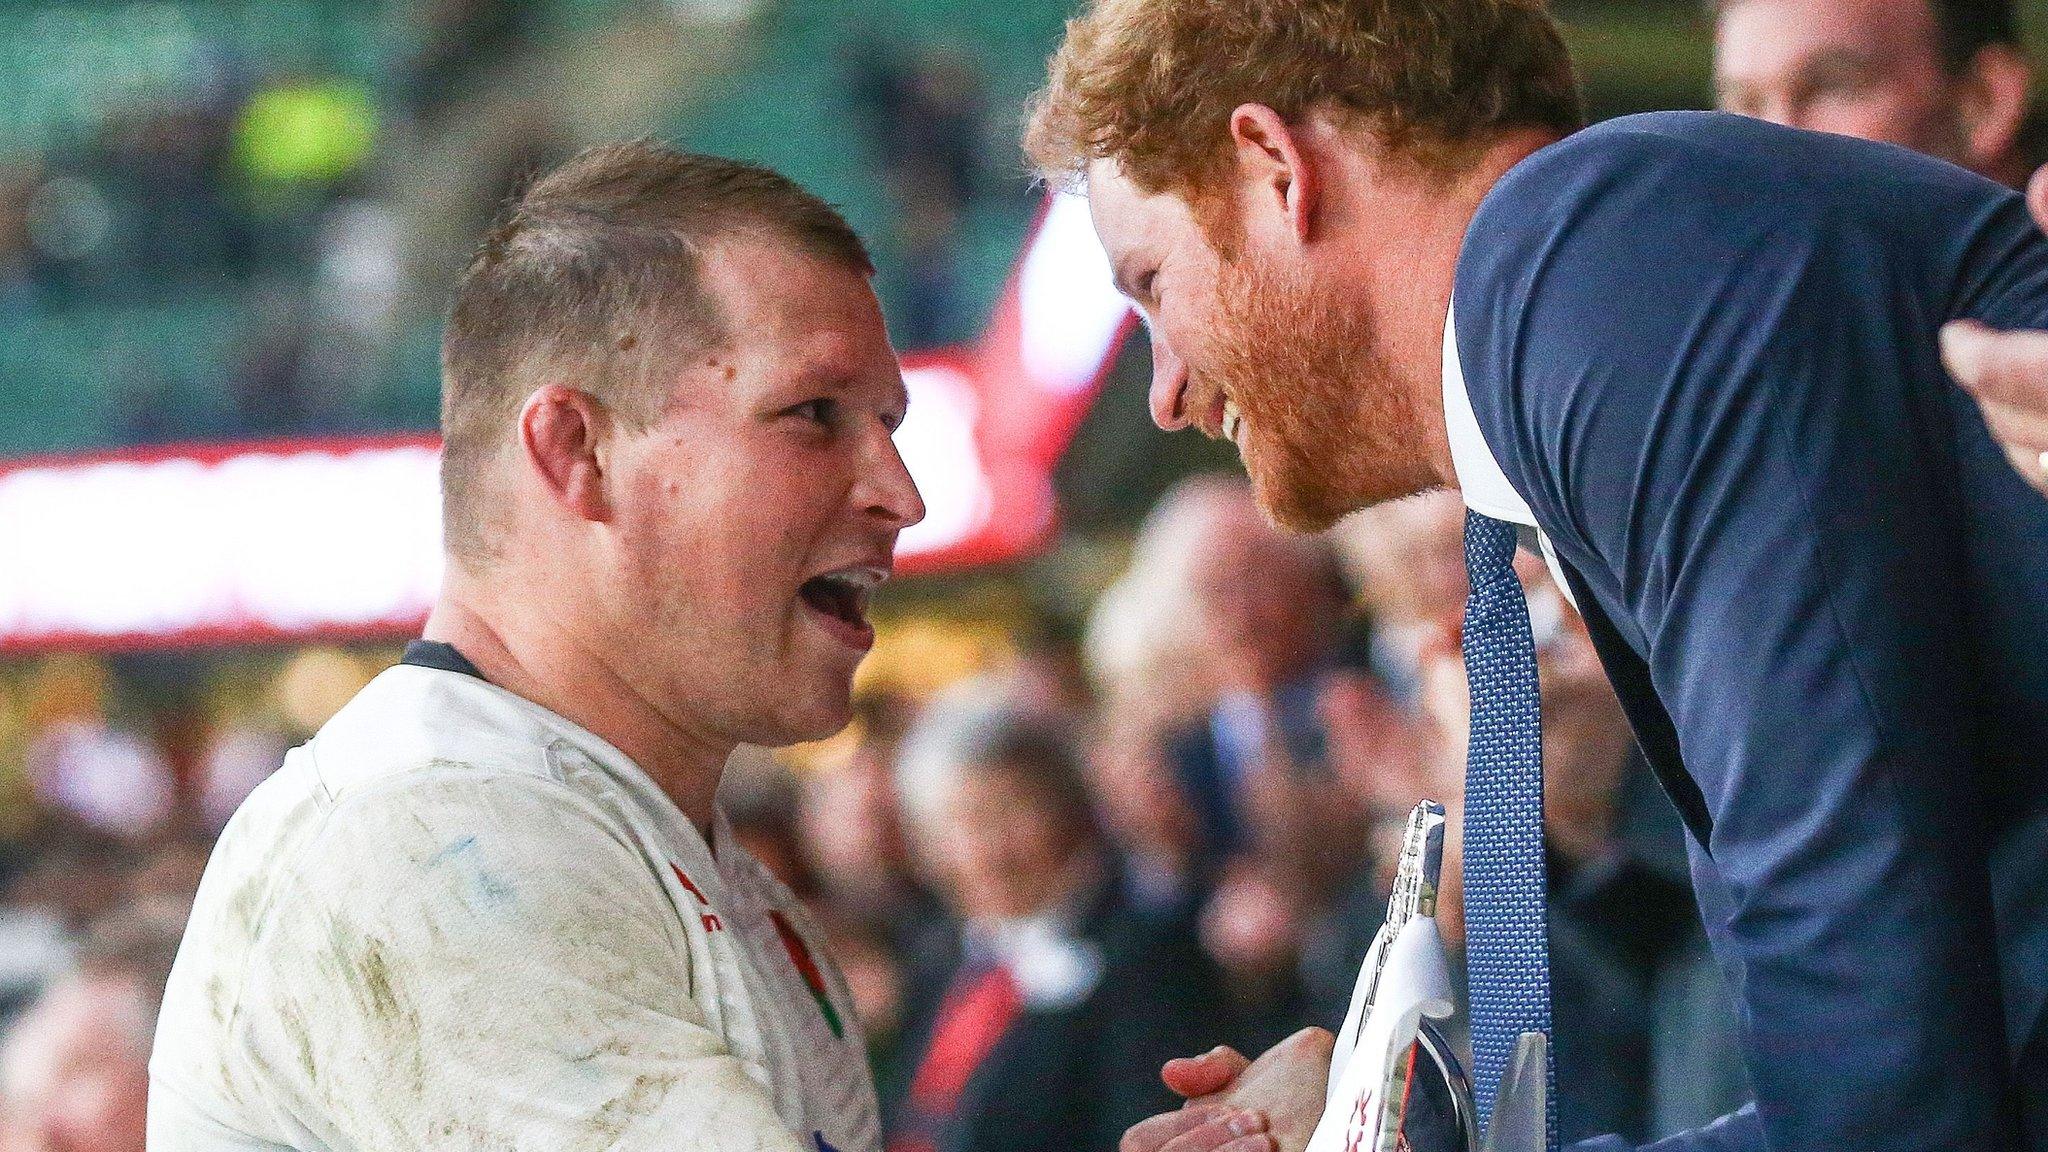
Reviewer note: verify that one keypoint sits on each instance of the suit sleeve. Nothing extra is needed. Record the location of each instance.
(1748, 447)
(481, 962)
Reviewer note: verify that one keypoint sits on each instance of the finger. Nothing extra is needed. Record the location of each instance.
(2037, 195)
(1256, 1142)
(1150, 1135)
(2011, 367)
(1239, 1132)
(1202, 1075)
(2022, 428)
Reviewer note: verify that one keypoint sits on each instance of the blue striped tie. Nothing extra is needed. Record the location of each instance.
(1507, 939)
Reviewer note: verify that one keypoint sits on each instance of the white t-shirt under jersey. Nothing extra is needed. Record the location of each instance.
(454, 920)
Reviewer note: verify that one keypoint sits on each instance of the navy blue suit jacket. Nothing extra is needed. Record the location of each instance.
(1704, 350)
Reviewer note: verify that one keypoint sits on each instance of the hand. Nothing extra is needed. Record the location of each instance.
(1285, 1088)
(1200, 1127)
(2008, 373)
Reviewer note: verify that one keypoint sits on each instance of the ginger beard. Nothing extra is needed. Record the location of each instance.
(1328, 427)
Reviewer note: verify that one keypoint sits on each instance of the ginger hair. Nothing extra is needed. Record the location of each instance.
(1150, 84)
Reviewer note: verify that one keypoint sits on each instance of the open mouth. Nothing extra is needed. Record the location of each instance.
(840, 599)
(1233, 424)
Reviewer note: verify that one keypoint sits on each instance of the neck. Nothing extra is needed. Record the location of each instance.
(539, 653)
(1419, 276)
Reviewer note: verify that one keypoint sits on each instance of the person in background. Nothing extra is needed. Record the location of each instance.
(1268, 608)
(1944, 77)
(1144, 811)
(74, 1069)
(1039, 1016)
(851, 827)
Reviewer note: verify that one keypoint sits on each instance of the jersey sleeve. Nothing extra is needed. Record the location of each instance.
(472, 960)
(1729, 413)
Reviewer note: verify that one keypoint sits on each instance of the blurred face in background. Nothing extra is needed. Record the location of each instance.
(74, 1073)
(853, 829)
(1140, 802)
(1408, 559)
(1874, 69)
(750, 520)
(1263, 601)
(1002, 846)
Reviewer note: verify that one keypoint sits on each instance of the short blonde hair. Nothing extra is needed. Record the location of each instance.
(1150, 84)
(592, 270)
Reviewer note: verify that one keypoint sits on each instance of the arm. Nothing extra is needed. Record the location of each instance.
(479, 959)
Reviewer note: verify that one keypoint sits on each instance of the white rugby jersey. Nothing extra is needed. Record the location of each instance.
(455, 920)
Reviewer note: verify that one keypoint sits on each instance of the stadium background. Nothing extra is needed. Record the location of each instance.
(238, 221)
(225, 223)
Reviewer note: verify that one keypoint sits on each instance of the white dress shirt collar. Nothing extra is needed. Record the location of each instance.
(1480, 478)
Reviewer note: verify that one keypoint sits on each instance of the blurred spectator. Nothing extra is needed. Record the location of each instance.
(1142, 644)
(924, 121)
(241, 752)
(80, 761)
(1146, 815)
(1256, 768)
(18, 288)
(759, 797)
(1257, 926)
(1041, 1016)
(1944, 77)
(853, 829)
(74, 1073)
(1408, 561)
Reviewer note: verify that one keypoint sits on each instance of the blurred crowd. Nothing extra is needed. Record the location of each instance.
(1176, 830)
(223, 220)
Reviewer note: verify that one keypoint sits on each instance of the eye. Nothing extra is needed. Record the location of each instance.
(823, 411)
(1145, 283)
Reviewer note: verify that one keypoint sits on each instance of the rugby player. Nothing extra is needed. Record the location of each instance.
(492, 903)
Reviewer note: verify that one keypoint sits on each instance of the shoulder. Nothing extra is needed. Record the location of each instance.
(411, 717)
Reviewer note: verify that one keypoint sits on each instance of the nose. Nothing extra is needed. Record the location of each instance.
(892, 494)
(1169, 386)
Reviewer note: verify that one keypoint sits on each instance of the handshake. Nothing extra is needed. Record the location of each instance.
(1387, 1083)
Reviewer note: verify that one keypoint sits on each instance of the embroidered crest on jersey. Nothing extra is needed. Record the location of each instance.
(711, 921)
(814, 978)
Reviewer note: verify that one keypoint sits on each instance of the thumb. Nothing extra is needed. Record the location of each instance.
(1206, 1074)
(2037, 196)
(2009, 367)
(1963, 345)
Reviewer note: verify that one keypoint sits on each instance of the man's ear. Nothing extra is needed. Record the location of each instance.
(1994, 96)
(561, 433)
(1275, 174)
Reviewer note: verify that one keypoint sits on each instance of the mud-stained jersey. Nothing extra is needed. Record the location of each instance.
(455, 920)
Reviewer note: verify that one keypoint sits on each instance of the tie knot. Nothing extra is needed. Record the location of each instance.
(1489, 547)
